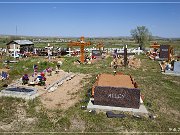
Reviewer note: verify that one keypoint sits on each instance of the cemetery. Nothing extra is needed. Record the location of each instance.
(105, 85)
(171, 68)
(119, 92)
(89, 67)
(168, 62)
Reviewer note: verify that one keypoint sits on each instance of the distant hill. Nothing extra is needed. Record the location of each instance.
(102, 37)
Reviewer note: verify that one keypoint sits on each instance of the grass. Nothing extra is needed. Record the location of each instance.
(159, 91)
(162, 98)
(8, 108)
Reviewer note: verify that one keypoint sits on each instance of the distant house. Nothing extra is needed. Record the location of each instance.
(20, 46)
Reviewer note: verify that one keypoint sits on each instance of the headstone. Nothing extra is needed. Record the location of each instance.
(139, 50)
(96, 53)
(117, 96)
(177, 67)
(164, 51)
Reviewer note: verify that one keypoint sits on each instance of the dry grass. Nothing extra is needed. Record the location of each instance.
(162, 98)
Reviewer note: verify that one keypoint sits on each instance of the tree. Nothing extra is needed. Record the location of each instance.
(141, 35)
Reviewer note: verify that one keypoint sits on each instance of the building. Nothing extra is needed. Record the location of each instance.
(20, 46)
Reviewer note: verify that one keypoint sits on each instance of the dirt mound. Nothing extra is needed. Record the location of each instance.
(65, 95)
(133, 62)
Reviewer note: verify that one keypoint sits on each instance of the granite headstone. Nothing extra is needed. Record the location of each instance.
(164, 51)
(117, 96)
(96, 53)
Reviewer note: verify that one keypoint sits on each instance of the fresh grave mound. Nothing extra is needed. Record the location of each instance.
(133, 62)
(50, 79)
(65, 95)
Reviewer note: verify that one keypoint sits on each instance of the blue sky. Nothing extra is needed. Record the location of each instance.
(89, 19)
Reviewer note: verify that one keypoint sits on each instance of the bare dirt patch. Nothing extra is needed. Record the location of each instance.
(65, 95)
(62, 97)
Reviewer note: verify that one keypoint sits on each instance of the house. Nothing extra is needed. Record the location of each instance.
(20, 46)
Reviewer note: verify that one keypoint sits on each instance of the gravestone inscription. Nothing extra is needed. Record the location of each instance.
(117, 96)
(164, 51)
(96, 53)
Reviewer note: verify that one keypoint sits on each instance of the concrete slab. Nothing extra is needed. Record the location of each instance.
(20, 96)
(142, 109)
(171, 73)
(22, 93)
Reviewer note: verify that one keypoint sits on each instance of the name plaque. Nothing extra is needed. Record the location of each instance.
(117, 96)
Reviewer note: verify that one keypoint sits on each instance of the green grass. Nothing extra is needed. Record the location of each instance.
(161, 92)
(158, 89)
(8, 108)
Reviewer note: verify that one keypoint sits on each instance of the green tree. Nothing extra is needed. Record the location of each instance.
(141, 35)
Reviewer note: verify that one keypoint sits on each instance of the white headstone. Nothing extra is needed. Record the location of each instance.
(14, 50)
(138, 50)
(177, 66)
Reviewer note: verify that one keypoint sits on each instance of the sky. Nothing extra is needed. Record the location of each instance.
(89, 18)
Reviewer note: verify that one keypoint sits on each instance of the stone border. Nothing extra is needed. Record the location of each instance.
(54, 86)
(142, 109)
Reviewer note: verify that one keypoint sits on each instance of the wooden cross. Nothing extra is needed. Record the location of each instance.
(82, 45)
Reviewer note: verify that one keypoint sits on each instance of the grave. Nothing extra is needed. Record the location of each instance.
(165, 51)
(20, 92)
(96, 54)
(141, 110)
(117, 96)
(175, 71)
(116, 90)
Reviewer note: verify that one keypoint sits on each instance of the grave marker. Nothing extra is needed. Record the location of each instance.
(96, 53)
(117, 96)
(164, 52)
(177, 67)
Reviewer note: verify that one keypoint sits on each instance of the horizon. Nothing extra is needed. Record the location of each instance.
(82, 35)
(101, 19)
